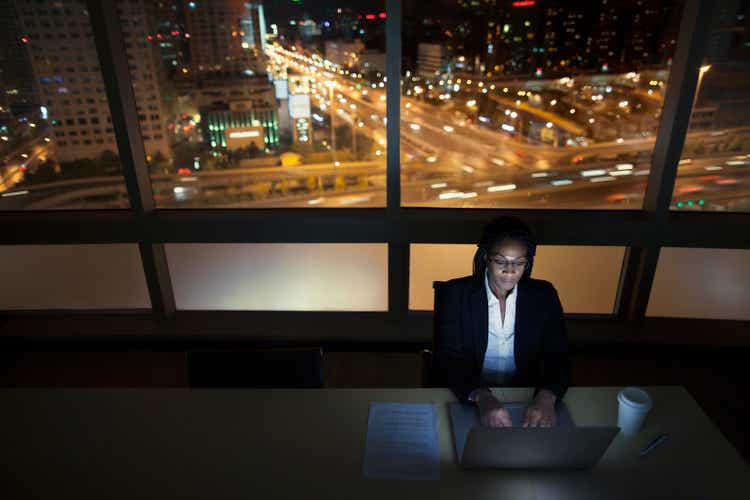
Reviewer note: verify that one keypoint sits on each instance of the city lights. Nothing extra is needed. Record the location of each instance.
(561, 182)
(502, 187)
(528, 101)
(592, 173)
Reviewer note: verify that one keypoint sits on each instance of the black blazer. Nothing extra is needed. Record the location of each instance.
(461, 332)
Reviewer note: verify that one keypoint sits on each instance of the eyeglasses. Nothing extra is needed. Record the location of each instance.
(510, 264)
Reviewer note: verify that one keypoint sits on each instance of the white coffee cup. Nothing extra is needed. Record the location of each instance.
(634, 404)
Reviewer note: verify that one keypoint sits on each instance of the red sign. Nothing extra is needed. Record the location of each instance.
(524, 3)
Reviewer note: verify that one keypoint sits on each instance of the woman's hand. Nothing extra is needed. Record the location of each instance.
(491, 411)
(541, 412)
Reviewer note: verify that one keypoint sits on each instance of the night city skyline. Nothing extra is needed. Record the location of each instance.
(537, 104)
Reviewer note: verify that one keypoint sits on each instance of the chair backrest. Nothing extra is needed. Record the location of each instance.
(261, 368)
(438, 287)
(428, 380)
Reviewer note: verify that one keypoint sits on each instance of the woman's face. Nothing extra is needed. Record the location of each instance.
(506, 262)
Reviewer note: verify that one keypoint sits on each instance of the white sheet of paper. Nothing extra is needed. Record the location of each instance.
(402, 441)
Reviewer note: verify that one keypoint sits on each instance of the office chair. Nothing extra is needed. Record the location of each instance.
(260, 368)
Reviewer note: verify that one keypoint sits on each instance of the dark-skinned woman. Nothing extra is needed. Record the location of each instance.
(500, 327)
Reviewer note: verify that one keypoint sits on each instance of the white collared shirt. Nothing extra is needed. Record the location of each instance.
(499, 363)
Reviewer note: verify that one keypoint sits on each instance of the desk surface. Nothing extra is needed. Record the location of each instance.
(179, 443)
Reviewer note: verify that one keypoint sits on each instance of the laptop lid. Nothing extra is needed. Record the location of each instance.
(564, 446)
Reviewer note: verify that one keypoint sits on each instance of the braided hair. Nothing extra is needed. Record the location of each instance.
(497, 230)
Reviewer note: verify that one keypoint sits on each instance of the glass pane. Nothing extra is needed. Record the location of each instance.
(586, 277)
(709, 283)
(714, 171)
(72, 277)
(279, 277)
(532, 104)
(57, 146)
(260, 104)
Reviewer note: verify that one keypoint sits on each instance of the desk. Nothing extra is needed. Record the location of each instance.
(302, 444)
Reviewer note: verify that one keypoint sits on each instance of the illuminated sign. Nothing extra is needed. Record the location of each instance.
(282, 89)
(244, 134)
(299, 106)
(302, 130)
(243, 137)
(524, 3)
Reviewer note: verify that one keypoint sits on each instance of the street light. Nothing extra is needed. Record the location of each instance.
(702, 71)
(330, 84)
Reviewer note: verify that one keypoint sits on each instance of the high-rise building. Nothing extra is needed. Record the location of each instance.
(475, 34)
(65, 64)
(565, 32)
(722, 100)
(16, 79)
(166, 30)
(340, 23)
(372, 30)
(520, 37)
(430, 60)
(254, 28)
(606, 35)
(554, 37)
(226, 37)
(729, 40)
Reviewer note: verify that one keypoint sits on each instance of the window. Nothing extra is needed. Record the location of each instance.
(713, 171)
(498, 112)
(189, 172)
(31, 150)
(73, 277)
(723, 278)
(590, 290)
(334, 267)
(312, 136)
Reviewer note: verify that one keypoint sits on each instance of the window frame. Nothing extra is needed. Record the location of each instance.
(643, 232)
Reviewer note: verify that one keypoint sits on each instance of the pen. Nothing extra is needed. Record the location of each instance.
(653, 444)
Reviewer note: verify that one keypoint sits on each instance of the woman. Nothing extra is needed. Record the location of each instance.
(500, 327)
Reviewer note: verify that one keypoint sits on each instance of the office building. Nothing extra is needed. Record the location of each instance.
(17, 87)
(66, 67)
(225, 37)
(254, 27)
(167, 30)
(430, 60)
(227, 106)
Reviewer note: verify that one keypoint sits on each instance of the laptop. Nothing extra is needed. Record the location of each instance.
(562, 447)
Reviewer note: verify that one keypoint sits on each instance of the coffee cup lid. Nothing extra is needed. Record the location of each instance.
(635, 398)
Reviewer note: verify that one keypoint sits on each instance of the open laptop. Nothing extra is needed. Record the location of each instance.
(562, 447)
